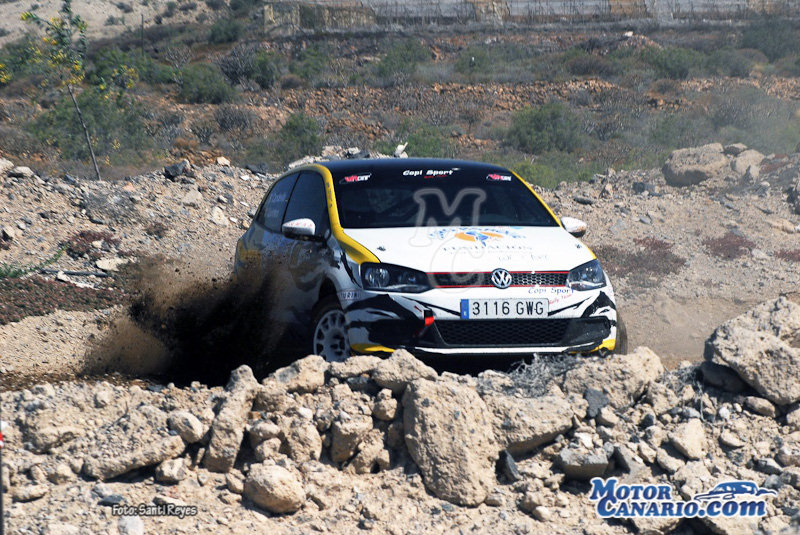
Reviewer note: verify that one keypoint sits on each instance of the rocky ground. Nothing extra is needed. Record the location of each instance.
(359, 445)
(390, 446)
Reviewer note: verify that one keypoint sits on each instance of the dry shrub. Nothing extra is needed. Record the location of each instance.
(36, 296)
(729, 246)
(80, 244)
(789, 256)
(644, 264)
(156, 229)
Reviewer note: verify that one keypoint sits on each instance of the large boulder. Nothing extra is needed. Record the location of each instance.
(187, 426)
(689, 438)
(745, 160)
(274, 488)
(583, 465)
(763, 347)
(149, 454)
(5, 166)
(686, 167)
(623, 378)
(304, 375)
(449, 435)
(227, 429)
(347, 434)
(301, 440)
(399, 370)
(137, 439)
(522, 424)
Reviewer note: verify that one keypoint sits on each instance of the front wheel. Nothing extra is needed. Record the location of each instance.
(329, 337)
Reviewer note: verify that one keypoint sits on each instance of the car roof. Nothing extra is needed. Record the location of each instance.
(400, 164)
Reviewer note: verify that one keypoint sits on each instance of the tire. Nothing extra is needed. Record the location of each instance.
(621, 347)
(328, 333)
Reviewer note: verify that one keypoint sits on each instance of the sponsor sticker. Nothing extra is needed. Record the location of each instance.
(495, 177)
(430, 173)
(728, 499)
(352, 179)
(349, 295)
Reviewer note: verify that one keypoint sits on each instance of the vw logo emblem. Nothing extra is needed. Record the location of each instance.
(501, 278)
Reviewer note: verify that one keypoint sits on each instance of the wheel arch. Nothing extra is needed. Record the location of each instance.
(326, 288)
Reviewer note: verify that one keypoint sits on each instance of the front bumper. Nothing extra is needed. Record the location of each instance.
(577, 322)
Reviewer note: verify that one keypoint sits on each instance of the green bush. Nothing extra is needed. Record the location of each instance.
(675, 63)
(109, 60)
(473, 60)
(225, 31)
(548, 169)
(18, 56)
(425, 140)
(728, 62)
(204, 84)
(544, 128)
(243, 7)
(590, 65)
(503, 62)
(402, 59)
(310, 63)
(266, 69)
(114, 125)
(298, 137)
(677, 130)
(774, 37)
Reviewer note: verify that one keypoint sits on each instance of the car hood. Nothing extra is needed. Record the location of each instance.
(467, 249)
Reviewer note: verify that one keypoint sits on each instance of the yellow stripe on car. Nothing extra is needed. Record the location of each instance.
(530, 188)
(354, 250)
(368, 348)
(609, 344)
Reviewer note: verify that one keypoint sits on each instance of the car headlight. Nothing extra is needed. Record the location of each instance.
(588, 276)
(389, 278)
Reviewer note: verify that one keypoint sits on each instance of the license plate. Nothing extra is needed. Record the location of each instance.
(480, 309)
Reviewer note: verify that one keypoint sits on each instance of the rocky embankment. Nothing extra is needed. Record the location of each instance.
(390, 446)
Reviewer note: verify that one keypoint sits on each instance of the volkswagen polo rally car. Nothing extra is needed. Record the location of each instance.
(436, 256)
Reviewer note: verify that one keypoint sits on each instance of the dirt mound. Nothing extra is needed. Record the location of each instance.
(393, 447)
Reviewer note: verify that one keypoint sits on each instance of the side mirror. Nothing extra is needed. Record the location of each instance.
(576, 227)
(300, 229)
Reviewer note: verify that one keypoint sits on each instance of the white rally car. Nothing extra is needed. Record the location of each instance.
(436, 256)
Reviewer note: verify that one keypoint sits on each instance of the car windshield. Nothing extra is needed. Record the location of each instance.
(448, 196)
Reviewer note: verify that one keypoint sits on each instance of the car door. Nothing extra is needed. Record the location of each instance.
(260, 250)
(308, 259)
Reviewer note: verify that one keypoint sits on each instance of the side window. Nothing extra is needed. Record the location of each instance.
(308, 201)
(270, 215)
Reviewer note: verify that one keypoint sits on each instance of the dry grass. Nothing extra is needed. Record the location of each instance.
(789, 256)
(36, 296)
(79, 245)
(729, 246)
(643, 264)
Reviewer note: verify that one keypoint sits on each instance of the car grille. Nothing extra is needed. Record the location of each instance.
(462, 280)
(538, 332)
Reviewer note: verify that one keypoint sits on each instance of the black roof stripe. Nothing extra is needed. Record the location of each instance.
(401, 164)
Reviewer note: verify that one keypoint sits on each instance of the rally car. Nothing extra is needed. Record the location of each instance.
(441, 257)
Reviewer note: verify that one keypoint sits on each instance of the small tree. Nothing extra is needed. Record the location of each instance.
(64, 55)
